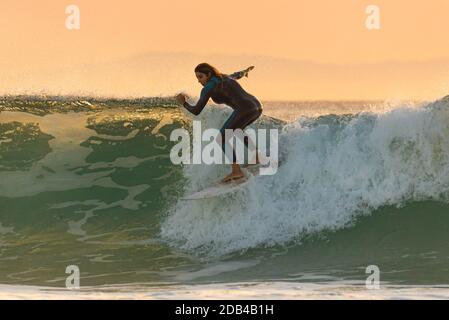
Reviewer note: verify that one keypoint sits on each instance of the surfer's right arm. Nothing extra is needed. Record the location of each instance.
(204, 97)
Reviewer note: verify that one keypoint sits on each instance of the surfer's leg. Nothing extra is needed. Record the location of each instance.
(236, 173)
(241, 121)
(237, 120)
(246, 139)
(228, 125)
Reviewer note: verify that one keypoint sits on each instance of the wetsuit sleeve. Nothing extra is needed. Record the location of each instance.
(240, 74)
(204, 97)
(237, 75)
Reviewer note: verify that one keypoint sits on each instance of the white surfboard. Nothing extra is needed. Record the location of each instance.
(219, 189)
(222, 188)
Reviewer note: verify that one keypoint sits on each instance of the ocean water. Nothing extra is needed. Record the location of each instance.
(89, 182)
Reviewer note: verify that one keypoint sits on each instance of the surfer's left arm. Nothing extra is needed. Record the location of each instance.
(240, 74)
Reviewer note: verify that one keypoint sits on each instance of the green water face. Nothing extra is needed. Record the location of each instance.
(88, 189)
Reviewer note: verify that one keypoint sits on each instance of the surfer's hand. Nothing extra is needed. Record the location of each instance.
(247, 70)
(181, 98)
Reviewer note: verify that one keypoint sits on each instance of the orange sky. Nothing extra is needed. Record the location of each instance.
(310, 40)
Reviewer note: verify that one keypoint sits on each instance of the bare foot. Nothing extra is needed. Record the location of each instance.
(233, 176)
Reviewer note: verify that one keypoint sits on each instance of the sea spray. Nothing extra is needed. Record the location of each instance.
(336, 168)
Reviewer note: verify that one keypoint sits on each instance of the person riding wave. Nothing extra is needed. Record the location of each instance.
(225, 89)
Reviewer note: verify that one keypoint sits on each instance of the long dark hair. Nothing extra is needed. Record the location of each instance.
(210, 70)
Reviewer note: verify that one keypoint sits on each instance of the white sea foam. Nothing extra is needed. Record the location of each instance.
(336, 168)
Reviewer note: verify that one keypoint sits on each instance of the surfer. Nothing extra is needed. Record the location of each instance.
(225, 89)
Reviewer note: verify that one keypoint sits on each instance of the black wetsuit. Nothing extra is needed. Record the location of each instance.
(228, 91)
